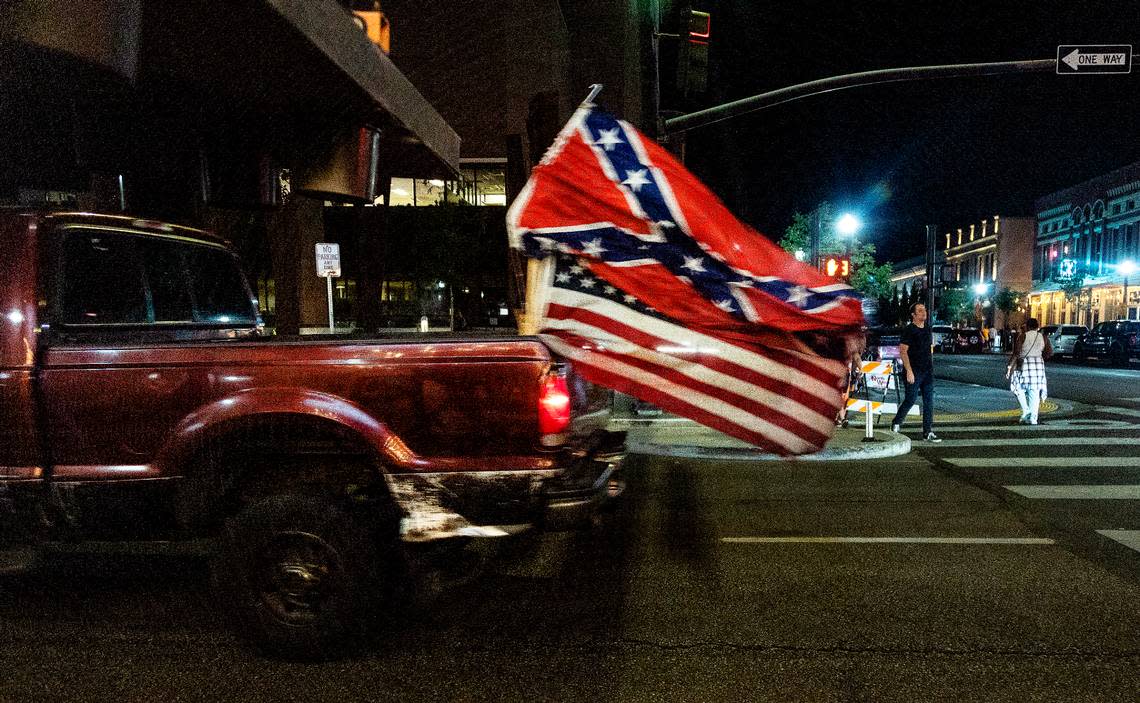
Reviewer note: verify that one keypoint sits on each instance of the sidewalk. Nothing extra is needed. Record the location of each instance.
(954, 403)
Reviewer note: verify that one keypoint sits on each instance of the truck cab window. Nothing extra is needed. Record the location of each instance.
(220, 292)
(102, 283)
(166, 275)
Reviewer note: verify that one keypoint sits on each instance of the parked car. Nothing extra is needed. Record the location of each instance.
(140, 401)
(938, 333)
(1064, 338)
(883, 343)
(1115, 340)
(967, 340)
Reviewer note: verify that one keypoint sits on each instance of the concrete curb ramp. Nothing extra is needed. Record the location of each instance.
(688, 440)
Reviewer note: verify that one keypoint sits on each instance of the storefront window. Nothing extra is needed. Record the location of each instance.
(479, 183)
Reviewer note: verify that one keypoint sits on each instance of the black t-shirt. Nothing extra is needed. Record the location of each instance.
(918, 341)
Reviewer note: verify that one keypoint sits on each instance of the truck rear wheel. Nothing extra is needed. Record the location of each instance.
(300, 574)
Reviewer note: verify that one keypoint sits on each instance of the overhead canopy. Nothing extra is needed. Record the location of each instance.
(252, 61)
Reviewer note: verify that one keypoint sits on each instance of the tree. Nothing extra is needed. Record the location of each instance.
(1009, 301)
(1074, 288)
(954, 304)
(867, 277)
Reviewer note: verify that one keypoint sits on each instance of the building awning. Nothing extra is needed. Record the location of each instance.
(302, 66)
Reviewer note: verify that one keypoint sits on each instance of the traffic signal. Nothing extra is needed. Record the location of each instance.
(837, 266)
(693, 54)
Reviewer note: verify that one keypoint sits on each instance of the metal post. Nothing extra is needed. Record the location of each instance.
(869, 424)
(931, 249)
(711, 115)
(1126, 310)
(328, 279)
(815, 237)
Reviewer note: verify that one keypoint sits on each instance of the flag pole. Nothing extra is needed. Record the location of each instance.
(540, 271)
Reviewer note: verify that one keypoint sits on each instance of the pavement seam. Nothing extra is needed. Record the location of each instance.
(1078, 654)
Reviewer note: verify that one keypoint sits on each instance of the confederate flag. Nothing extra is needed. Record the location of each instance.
(659, 292)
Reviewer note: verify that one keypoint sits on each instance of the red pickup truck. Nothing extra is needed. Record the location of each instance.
(141, 400)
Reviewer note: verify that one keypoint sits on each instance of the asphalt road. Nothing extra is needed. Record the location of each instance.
(1096, 383)
(924, 577)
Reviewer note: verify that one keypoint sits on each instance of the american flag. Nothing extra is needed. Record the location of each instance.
(655, 290)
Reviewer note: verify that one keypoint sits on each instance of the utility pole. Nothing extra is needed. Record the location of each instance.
(815, 235)
(931, 256)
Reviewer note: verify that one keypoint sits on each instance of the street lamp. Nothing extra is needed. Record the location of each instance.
(848, 225)
(981, 288)
(1126, 268)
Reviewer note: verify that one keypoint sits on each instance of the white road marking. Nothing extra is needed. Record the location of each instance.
(1109, 492)
(887, 540)
(1002, 462)
(1048, 425)
(1129, 538)
(1118, 411)
(1037, 441)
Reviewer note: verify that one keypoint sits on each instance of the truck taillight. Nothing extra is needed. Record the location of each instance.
(553, 405)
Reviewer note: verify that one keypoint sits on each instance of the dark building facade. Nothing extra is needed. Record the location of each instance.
(244, 119)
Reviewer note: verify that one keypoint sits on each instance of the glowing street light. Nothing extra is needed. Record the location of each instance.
(980, 289)
(848, 225)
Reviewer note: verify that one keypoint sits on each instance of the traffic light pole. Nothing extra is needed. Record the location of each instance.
(719, 113)
(816, 227)
(931, 257)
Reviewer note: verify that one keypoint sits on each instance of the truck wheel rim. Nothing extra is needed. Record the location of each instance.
(296, 576)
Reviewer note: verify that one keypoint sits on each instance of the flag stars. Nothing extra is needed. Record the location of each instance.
(610, 290)
(593, 248)
(797, 295)
(609, 138)
(575, 269)
(636, 179)
(563, 277)
(587, 282)
(725, 305)
(629, 298)
(694, 264)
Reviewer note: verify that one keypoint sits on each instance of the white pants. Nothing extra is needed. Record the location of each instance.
(1030, 402)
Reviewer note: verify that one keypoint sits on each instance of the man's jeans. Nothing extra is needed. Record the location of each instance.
(923, 380)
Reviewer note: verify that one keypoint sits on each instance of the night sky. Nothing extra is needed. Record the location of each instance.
(945, 152)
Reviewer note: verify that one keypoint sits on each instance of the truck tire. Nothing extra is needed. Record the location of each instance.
(300, 576)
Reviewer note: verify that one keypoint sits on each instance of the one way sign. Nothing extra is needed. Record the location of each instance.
(1094, 58)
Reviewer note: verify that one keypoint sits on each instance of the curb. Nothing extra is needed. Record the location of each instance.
(890, 444)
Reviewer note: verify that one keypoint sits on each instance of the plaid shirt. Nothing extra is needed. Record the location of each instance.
(1030, 377)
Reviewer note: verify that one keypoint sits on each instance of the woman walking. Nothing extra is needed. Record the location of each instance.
(1026, 370)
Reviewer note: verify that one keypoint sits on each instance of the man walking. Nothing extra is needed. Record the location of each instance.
(916, 347)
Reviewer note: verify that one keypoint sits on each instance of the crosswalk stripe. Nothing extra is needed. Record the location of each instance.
(1086, 492)
(1129, 538)
(888, 540)
(1047, 427)
(1034, 441)
(1118, 411)
(1001, 462)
